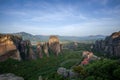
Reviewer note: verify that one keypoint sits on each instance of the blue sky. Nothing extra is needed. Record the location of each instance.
(60, 17)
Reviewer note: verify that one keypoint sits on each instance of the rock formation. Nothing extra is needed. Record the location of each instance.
(42, 48)
(54, 45)
(110, 46)
(45, 49)
(75, 45)
(8, 47)
(66, 72)
(10, 76)
(39, 50)
(72, 45)
(26, 51)
(12, 46)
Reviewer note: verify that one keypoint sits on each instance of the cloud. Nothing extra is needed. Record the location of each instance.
(102, 26)
(64, 18)
(46, 12)
(56, 13)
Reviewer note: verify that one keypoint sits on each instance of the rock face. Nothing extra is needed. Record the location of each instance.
(8, 47)
(45, 48)
(54, 45)
(42, 49)
(10, 76)
(110, 46)
(39, 50)
(72, 46)
(26, 51)
(12, 46)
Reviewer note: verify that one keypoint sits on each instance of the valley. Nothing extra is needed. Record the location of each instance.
(70, 57)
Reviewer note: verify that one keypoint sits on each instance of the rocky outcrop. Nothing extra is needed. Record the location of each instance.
(72, 46)
(10, 76)
(54, 45)
(8, 47)
(42, 48)
(66, 72)
(39, 50)
(45, 48)
(110, 46)
(26, 51)
(12, 46)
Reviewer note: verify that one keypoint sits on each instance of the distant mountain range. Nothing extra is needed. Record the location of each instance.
(35, 38)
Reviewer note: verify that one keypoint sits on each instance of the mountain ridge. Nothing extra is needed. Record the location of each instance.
(36, 38)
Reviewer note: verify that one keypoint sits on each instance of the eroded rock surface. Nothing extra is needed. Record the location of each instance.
(12, 46)
(8, 47)
(54, 45)
(110, 46)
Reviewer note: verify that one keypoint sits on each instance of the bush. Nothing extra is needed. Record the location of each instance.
(90, 78)
(103, 69)
(116, 73)
(80, 70)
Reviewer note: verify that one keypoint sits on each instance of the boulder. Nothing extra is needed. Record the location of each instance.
(62, 71)
(10, 76)
(66, 73)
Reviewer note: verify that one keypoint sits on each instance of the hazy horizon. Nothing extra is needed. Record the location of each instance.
(60, 17)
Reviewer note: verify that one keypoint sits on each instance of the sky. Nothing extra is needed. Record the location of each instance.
(60, 17)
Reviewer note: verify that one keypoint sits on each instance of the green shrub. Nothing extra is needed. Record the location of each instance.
(116, 73)
(90, 78)
(103, 69)
(80, 70)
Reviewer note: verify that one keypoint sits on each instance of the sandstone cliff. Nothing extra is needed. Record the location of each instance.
(12, 46)
(8, 46)
(110, 46)
(54, 45)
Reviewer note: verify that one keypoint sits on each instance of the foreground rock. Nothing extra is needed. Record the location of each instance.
(66, 73)
(10, 76)
(110, 46)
